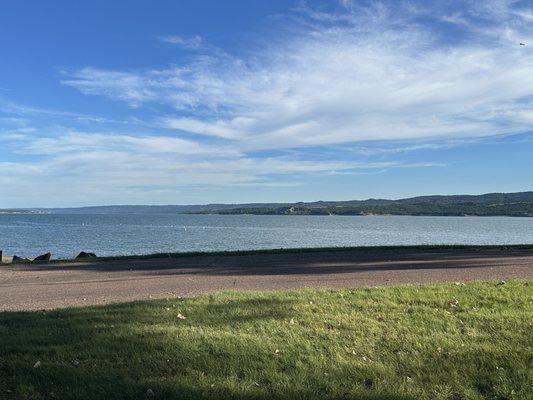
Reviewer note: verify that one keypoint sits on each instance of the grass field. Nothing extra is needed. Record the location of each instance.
(441, 341)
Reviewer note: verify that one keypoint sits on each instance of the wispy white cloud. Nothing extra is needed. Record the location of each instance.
(80, 142)
(525, 13)
(129, 87)
(23, 110)
(192, 42)
(105, 167)
(377, 75)
(23, 114)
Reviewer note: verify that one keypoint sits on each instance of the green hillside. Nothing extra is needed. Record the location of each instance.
(493, 204)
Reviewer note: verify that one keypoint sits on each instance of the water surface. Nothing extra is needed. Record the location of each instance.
(120, 234)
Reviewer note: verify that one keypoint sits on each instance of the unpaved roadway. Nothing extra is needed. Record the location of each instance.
(55, 285)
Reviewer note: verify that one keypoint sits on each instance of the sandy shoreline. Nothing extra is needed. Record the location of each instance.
(65, 284)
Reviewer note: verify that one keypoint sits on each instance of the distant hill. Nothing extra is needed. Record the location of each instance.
(141, 209)
(492, 198)
(490, 204)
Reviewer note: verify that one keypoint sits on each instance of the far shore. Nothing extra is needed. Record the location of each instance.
(526, 215)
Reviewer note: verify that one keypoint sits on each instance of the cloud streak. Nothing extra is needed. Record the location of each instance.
(192, 42)
(107, 167)
(351, 76)
(68, 165)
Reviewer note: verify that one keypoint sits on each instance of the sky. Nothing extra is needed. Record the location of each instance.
(192, 102)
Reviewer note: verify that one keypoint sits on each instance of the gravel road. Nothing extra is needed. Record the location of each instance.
(56, 285)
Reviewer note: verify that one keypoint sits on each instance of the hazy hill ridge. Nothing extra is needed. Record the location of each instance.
(490, 204)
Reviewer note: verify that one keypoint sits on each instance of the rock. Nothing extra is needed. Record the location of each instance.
(43, 258)
(17, 259)
(86, 255)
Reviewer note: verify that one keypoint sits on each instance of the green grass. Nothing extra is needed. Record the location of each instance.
(440, 341)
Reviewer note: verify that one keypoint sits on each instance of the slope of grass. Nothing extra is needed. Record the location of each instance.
(441, 341)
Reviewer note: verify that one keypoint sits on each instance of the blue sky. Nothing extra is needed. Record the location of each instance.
(180, 102)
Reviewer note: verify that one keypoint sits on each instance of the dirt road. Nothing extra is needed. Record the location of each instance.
(54, 285)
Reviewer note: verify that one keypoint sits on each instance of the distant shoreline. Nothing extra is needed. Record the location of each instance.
(363, 215)
(519, 204)
(229, 212)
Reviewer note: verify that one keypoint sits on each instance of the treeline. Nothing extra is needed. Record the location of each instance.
(516, 209)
